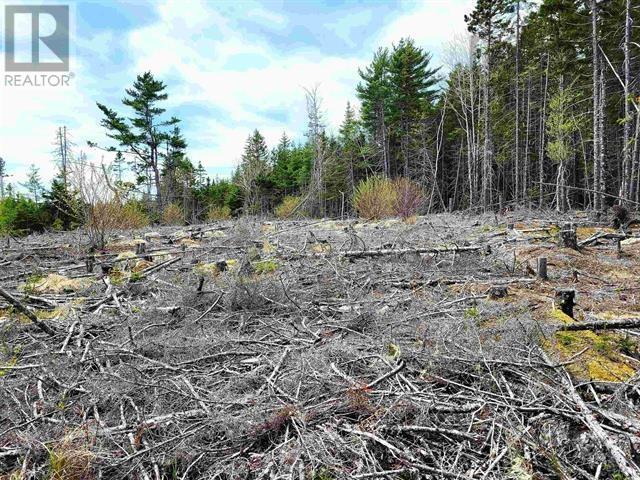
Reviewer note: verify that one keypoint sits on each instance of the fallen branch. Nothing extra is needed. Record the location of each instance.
(401, 251)
(27, 312)
(621, 324)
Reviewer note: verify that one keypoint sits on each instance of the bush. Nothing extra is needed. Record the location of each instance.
(290, 207)
(409, 198)
(134, 216)
(378, 197)
(21, 216)
(105, 217)
(375, 198)
(172, 215)
(219, 213)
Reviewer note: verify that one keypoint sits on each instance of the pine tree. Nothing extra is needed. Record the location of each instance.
(145, 133)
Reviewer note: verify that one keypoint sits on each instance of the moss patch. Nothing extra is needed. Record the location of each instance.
(602, 361)
(265, 267)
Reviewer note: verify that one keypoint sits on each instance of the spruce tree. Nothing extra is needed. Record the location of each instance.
(253, 170)
(374, 93)
(33, 183)
(412, 93)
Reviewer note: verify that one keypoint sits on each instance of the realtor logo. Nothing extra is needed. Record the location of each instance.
(36, 38)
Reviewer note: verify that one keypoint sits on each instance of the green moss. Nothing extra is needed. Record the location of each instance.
(472, 312)
(599, 354)
(135, 277)
(10, 363)
(564, 338)
(265, 266)
(393, 351)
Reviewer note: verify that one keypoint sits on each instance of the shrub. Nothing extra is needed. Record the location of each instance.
(219, 213)
(172, 215)
(21, 216)
(409, 198)
(134, 216)
(105, 217)
(375, 198)
(378, 197)
(290, 207)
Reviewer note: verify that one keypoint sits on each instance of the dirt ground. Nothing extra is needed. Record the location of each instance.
(322, 349)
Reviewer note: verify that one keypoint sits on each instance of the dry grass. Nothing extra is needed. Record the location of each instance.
(71, 458)
(290, 208)
(217, 213)
(172, 214)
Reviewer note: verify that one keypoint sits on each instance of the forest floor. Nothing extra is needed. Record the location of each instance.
(323, 349)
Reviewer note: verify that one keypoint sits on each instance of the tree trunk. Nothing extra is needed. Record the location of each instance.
(543, 114)
(517, 82)
(597, 90)
(525, 173)
(625, 189)
(487, 161)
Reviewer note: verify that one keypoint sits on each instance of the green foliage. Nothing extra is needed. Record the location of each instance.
(471, 312)
(21, 216)
(34, 184)
(397, 91)
(146, 130)
(561, 124)
(291, 165)
(64, 205)
(265, 266)
(220, 194)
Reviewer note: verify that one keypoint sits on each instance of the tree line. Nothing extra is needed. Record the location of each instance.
(536, 106)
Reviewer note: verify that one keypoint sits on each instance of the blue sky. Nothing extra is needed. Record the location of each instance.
(230, 67)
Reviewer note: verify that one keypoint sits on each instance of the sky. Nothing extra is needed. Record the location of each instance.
(230, 67)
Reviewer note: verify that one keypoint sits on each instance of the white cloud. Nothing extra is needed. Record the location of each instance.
(430, 23)
(189, 48)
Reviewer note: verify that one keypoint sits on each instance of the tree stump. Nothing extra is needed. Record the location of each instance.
(450, 204)
(542, 268)
(90, 262)
(567, 236)
(565, 300)
(498, 291)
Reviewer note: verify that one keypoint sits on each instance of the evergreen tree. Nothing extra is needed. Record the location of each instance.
(33, 183)
(374, 93)
(145, 133)
(412, 85)
(253, 170)
(488, 21)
